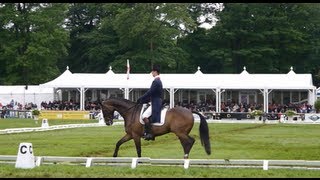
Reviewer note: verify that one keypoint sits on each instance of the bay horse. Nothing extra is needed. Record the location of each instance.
(178, 120)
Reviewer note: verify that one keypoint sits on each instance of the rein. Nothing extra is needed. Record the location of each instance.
(134, 110)
(132, 107)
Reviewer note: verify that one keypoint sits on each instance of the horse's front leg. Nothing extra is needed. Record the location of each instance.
(124, 139)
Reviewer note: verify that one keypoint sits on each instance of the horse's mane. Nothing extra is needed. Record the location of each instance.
(122, 100)
(122, 105)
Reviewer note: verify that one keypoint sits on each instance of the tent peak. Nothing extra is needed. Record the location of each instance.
(198, 72)
(244, 70)
(291, 71)
(67, 71)
(110, 71)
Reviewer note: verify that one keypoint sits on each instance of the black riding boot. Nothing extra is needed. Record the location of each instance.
(147, 135)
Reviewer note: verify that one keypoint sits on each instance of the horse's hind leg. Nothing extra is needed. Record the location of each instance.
(124, 139)
(187, 143)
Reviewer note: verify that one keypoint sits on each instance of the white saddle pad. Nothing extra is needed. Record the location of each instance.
(162, 117)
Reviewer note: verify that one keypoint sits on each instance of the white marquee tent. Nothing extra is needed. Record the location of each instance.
(172, 82)
(33, 94)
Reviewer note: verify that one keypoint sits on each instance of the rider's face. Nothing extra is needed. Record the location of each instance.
(154, 73)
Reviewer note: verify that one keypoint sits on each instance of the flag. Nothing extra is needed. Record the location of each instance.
(128, 68)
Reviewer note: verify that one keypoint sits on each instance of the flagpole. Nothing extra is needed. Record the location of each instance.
(126, 92)
(128, 69)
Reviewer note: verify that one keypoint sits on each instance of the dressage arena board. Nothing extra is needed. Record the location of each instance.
(185, 163)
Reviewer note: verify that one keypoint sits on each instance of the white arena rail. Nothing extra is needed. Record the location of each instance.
(186, 163)
(54, 127)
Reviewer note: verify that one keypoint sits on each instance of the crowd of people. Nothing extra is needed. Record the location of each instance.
(51, 105)
(231, 106)
(70, 105)
(228, 107)
(14, 105)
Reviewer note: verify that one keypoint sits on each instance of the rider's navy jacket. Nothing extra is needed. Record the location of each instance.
(154, 94)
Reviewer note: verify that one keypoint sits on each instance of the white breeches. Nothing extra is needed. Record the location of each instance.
(147, 113)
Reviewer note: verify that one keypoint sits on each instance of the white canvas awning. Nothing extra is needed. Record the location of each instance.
(33, 94)
(196, 80)
(217, 82)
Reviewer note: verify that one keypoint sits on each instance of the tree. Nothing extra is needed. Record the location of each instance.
(266, 38)
(38, 39)
(32, 39)
(90, 44)
(148, 33)
(196, 42)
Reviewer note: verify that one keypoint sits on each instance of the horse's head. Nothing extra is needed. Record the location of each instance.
(108, 112)
(123, 106)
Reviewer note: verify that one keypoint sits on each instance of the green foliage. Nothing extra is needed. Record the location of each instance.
(264, 37)
(317, 105)
(93, 42)
(34, 40)
(38, 39)
(153, 28)
(290, 113)
(256, 113)
(36, 112)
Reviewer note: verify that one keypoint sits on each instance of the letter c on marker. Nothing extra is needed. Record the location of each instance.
(22, 149)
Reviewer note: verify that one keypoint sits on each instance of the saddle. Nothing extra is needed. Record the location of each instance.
(164, 109)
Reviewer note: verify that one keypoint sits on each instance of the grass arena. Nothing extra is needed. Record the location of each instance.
(238, 150)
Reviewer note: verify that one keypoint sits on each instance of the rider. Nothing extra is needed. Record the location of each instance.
(154, 94)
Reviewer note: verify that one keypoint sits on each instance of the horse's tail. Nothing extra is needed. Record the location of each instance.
(204, 133)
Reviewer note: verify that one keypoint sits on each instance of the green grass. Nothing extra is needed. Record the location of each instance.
(67, 171)
(228, 141)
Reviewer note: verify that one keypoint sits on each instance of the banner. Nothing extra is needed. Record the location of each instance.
(64, 115)
(312, 117)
